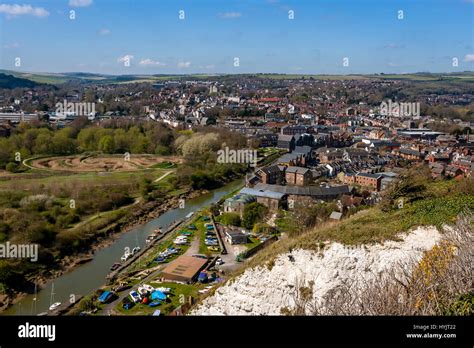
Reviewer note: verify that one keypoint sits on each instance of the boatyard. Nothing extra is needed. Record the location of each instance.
(167, 268)
(89, 276)
(167, 274)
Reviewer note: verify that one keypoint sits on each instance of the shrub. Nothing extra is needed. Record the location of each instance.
(232, 219)
(253, 213)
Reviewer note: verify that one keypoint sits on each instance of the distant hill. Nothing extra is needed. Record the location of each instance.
(93, 78)
(10, 82)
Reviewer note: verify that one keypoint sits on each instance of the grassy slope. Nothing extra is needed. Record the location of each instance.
(445, 202)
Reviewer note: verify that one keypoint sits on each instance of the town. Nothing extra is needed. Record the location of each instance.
(311, 151)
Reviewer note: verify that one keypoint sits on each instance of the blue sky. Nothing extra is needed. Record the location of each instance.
(258, 32)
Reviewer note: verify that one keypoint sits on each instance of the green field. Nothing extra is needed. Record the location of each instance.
(26, 181)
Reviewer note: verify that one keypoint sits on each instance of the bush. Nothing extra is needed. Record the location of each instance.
(232, 219)
(253, 213)
(12, 167)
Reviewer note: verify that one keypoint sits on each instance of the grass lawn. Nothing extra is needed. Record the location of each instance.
(164, 165)
(252, 243)
(146, 261)
(201, 230)
(91, 178)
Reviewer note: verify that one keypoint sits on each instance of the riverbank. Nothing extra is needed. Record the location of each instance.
(72, 276)
(139, 216)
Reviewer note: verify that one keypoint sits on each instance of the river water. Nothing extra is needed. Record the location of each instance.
(86, 278)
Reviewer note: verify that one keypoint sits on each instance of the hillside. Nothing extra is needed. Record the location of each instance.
(359, 250)
(264, 291)
(60, 78)
(10, 82)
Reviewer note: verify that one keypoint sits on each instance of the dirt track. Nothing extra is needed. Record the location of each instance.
(101, 163)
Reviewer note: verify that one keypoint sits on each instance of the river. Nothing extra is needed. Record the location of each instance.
(86, 278)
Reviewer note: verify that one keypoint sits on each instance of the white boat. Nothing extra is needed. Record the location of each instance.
(135, 296)
(181, 240)
(189, 215)
(164, 290)
(125, 257)
(52, 305)
(137, 248)
(33, 303)
(142, 290)
(148, 288)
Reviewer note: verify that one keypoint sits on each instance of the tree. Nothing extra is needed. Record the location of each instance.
(88, 139)
(62, 144)
(106, 144)
(121, 141)
(253, 213)
(42, 144)
(231, 219)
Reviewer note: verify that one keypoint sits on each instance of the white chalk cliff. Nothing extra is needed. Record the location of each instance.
(260, 291)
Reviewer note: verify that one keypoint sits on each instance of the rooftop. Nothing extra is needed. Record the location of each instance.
(262, 193)
(305, 190)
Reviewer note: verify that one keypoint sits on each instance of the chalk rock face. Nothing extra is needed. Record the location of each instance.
(260, 291)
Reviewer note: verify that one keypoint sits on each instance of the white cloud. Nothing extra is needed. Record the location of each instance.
(150, 62)
(14, 10)
(104, 31)
(127, 57)
(230, 15)
(209, 66)
(394, 45)
(12, 45)
(469, 57)
(80, 3)
(184, 65)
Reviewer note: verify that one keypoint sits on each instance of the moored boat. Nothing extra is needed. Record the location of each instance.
(54, 306)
